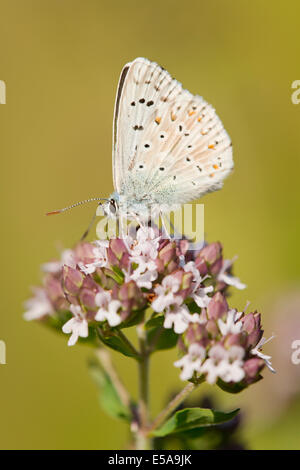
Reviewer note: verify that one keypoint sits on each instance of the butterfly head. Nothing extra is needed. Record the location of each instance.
(111, 207)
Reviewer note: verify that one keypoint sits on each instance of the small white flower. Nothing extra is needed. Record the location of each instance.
(179, 317)
(38, 306)
(191, 267)
(231, 369)
(231, 325)
(143, 253)
(100, 253)
(146, 243)
(53, 267)
(77, 325)
(166, 294)
(228, 278)
(257, 352)
(199, 294)
(226, 364)
(108, 308)
(191, 362)
(143, 277)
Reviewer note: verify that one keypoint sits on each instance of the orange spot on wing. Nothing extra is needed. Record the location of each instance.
(157, 120)
(215, 167)
(190, 113)
(212, 175)
(199, 119)
(211, 146)
(173, 116)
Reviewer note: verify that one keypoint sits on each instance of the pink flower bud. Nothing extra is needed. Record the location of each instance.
(211, 253)
(167, 256)
(72, 280)
(217, 307)
(87, 298)
(212, 328)
(130, 296)
(84, 253)
(201, 265)
(55, 292)
(117, 253)
(196, 333)
(252, 368)
(252, 326)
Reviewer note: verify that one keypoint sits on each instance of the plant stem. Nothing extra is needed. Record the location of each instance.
(106, 362)
(142, 440)
(163, 415)
(126, 340)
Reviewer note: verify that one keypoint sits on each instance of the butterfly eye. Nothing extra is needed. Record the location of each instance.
(112, 206)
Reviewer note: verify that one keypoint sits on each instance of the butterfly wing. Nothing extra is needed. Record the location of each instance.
(169, 146)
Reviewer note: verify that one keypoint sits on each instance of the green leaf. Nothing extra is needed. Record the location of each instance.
(231, 387)
(109, 398)
(113, 341)
(193, 418)
(160, 337)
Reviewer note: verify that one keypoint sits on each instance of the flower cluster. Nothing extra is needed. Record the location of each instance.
(109, 285)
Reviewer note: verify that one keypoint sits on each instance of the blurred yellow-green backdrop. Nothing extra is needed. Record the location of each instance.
(60, 60)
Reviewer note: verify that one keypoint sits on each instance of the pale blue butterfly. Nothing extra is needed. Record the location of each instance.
(169, 146)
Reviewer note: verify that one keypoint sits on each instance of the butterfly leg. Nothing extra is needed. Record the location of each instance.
(90, 225)
(123, 234)
(164, 227)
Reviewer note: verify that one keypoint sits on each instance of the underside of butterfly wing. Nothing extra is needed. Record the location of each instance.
(170, 147)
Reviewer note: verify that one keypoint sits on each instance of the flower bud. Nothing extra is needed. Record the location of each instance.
(55, 293)
(84, 253)
(72, 280)
(252, 368)
(196, 333)
(211, 253)
(212, 328)
(117, 253)
(167, 258)
(87, 298)
(131, 297)
(201, 265)
(252, 326)
(217, 307)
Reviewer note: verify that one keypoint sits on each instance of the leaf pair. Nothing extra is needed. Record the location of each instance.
(193, 419)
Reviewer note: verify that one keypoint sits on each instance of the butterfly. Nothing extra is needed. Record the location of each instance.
(169, 146)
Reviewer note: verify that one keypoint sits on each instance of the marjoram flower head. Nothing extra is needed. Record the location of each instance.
(98, 289)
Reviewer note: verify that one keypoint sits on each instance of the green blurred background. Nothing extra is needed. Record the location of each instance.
(61, 61)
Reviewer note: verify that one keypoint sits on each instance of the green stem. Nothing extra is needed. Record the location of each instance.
(128, 343)
(106, 362)
(164, 414)
(142, 440)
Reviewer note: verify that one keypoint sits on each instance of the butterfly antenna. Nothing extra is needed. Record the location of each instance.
(76, 204)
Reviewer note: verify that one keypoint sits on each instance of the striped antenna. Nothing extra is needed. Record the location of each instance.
(76, 204)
